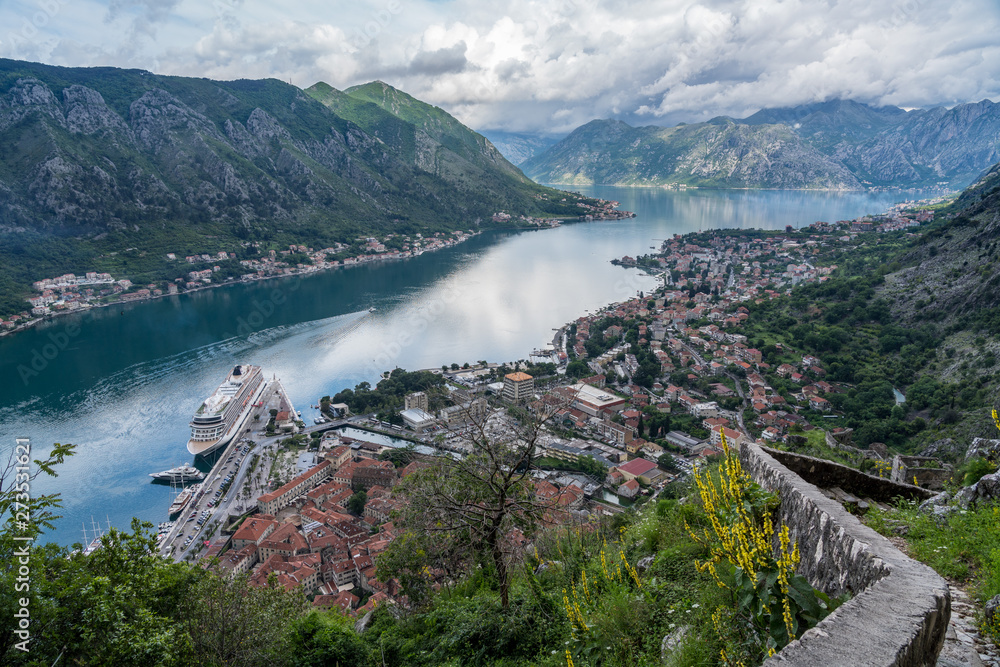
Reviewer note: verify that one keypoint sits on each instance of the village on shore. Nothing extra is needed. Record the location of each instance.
(69, 292)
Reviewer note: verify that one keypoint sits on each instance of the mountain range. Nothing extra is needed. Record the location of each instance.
(97, 160)
(105, 148)
(831, 145)
(519, 147)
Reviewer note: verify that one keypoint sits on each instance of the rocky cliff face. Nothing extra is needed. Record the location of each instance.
(839, 144)
(105, 149)
(953, 272)
(939, 145)
(75, 161)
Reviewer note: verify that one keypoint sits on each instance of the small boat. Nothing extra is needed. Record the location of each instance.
(182, 500)
(372, 309)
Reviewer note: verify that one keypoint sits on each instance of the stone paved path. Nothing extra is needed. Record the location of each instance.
(963, 647)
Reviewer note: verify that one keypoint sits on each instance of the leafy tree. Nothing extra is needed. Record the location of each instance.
(16, 503)
(118, 606)
(24, 515)
(233, 623)
(356, 503)
(399, 456)
(668, 462)
(321, 638)
(590, 466)
(412, 556)
(476, 501)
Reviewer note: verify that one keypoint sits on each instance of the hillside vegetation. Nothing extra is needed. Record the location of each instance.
(915, 312)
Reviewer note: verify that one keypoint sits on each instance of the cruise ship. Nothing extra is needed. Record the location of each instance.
(222, 415)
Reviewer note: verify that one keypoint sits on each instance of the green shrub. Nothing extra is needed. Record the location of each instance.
(325, 638)
(975, 469)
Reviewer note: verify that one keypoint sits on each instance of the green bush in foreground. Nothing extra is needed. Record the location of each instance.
(767, 604)
(975, 469)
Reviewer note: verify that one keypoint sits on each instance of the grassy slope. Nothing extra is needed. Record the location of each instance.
(434, 141)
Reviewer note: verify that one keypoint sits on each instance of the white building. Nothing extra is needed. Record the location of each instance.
(417, 419)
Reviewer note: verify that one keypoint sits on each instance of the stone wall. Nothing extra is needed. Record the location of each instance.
(924, 470)
(899, 610)
(841, 444)
(827, 474)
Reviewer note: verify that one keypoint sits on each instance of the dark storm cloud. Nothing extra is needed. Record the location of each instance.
(442, 61)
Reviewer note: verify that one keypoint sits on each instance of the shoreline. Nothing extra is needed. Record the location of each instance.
(674, 187)
(295, 273)
(52, 316)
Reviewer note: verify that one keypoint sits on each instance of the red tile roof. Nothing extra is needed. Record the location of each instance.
(637, 467)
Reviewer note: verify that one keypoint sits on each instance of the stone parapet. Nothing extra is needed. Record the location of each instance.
(827, 474)
(924, 471)
(899, 610)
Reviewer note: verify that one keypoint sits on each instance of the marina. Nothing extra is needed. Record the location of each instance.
(212, 501)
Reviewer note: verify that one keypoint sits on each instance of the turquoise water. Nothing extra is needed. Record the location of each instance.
(123, 382)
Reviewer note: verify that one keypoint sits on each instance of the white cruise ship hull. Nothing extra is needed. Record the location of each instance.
(199, 447)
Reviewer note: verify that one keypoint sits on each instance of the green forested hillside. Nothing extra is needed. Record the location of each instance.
(918, 312)
(431, 140)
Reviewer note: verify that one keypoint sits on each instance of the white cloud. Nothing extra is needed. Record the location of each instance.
(552, 65)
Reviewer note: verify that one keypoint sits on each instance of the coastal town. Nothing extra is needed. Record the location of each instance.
(449, 335)
(633, 398)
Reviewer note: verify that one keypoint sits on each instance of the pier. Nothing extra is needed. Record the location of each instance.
(274, 395)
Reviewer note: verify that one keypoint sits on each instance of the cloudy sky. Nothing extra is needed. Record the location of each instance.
(545, 66)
